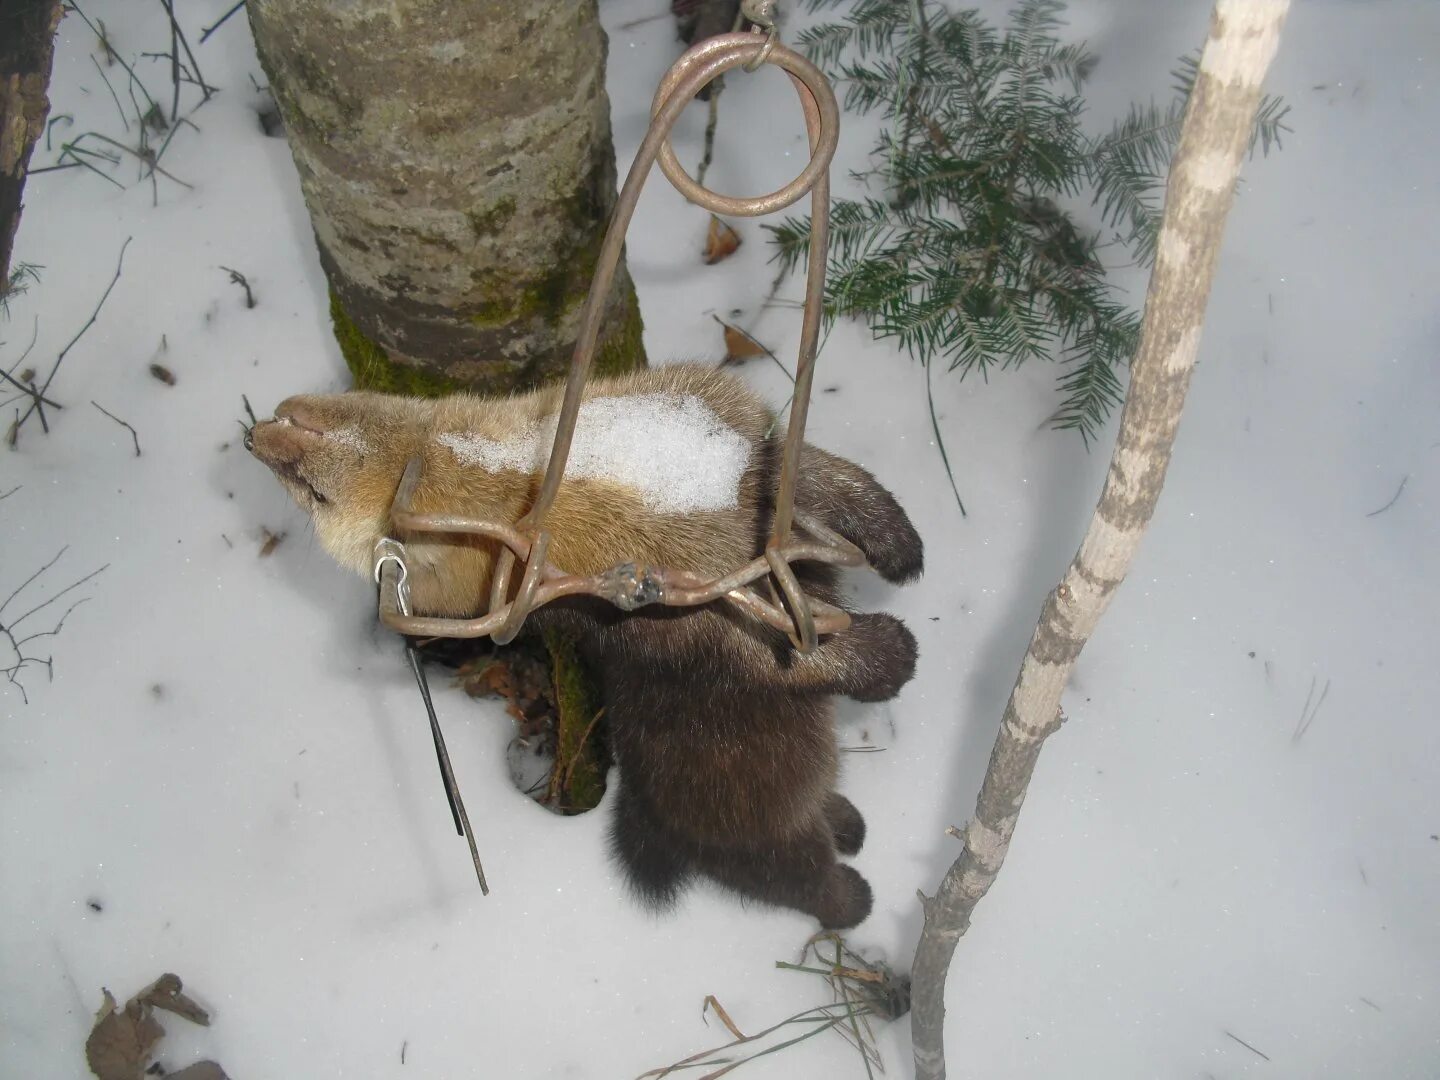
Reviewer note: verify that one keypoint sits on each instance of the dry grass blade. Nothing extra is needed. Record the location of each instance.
(862, 990)
(711, 1002)
(823, 1017)
(1307, 712)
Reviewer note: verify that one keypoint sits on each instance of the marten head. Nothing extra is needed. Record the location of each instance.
(340, 456)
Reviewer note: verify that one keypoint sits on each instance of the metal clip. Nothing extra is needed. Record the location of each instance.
(393, 551)
(761, 13)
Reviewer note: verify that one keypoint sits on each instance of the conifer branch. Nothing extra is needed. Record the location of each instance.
(964, 255)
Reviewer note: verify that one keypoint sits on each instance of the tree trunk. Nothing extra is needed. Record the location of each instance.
(457, 163)
(27, 47)
(1216, 131)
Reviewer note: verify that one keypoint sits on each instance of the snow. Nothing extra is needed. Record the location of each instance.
(672, 450)
(231, 763)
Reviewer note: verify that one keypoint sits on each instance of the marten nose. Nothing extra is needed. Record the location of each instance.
(250, 439)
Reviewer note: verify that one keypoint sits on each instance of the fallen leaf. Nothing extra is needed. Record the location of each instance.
(201, 1070)
(164, 993)
(270, 541)
(28, 375)
(739, 346)
(163, 373)
(121, 1040)
(720, 242)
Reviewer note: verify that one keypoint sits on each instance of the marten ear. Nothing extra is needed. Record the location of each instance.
(849, 500)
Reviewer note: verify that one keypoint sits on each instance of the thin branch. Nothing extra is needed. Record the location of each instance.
(114, 96)
(21, 587)
(119, 265)
(205, 88)
(58, 168)
(75, 7)
(204, 34)
(44, 604)
(1403, 481)
(1247, 1046)
(122, 423)
(1243, 38)
(28, 391)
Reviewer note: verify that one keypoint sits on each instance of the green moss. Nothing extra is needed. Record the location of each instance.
(578, 760)
(371, 366)
(492, 220)
(623, 348)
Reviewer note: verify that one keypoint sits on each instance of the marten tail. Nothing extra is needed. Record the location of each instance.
(654, 863)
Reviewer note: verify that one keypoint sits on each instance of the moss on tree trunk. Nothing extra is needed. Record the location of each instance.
(458, 168)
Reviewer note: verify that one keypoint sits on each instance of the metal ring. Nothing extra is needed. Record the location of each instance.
(388, 550)
(720, 54)
(763, 56)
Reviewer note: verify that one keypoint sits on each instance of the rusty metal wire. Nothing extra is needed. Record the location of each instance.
(627, 585)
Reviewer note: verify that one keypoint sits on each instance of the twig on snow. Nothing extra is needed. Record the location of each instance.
(122, 423)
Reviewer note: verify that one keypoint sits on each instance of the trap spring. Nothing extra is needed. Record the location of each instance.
(628, 585)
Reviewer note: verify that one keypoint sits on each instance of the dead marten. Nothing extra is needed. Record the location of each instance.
(722, 732)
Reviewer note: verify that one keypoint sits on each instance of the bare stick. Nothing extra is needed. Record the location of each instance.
(119, 264)
(29, 391)
(1403, 481)
(8, 629)
(219, 23)
(1247, 1046)
(1215, 133)
(110, 51)
(205, 88)
(240, 279)
(122, 423)
(116, 97)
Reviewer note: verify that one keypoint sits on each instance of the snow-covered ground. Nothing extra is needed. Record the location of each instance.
(229, 775)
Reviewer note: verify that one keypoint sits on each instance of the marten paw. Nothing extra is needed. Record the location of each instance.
(901, 556)
(880, 656)
(847, 827)
(847, 900)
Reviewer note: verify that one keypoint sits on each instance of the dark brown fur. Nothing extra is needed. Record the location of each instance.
(722, 732)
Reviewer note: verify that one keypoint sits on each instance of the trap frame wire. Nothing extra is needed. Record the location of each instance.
(629, 585)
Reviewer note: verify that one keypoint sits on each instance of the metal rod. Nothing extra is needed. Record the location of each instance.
(452, 790)
(690, 73)
(451, 794)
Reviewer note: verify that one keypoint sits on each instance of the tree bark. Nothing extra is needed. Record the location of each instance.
(457, 164)
(27, 48)
(1242, 41)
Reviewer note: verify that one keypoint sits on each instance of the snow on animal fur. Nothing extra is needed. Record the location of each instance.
(673, 450)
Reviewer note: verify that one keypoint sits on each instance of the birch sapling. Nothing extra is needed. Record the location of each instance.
(1242, 41)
